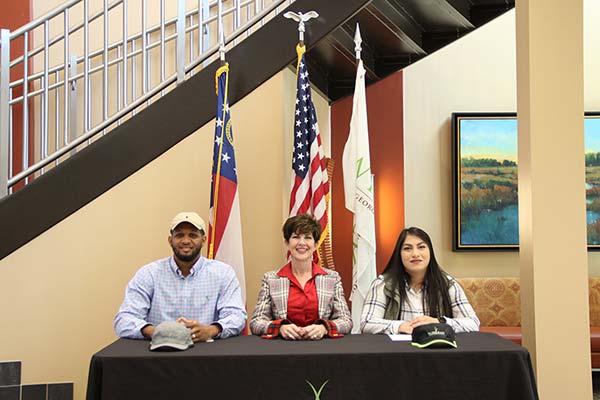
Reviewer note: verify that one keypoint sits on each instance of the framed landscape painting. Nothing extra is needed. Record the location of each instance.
(486, 214)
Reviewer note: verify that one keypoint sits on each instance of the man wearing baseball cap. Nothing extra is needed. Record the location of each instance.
(203, 294)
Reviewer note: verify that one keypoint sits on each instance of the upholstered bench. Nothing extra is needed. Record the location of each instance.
(497, 302)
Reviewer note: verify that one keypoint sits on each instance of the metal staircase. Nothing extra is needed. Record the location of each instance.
(95, 95)
(100, 69)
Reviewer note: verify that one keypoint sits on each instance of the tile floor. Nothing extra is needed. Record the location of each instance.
(12, 389)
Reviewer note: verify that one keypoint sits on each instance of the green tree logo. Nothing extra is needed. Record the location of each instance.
(316, 392)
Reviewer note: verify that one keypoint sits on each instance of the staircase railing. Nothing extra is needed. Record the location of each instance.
(63, 90)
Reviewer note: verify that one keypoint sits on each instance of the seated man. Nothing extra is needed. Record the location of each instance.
(203, 294)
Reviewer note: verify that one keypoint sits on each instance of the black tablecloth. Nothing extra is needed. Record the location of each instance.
(483, 367)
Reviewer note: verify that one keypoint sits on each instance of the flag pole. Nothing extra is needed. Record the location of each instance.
(224, 67)
(301, 19)
(357, 42)
(359, 192)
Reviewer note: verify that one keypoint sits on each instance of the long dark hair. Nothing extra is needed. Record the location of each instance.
(436, 300)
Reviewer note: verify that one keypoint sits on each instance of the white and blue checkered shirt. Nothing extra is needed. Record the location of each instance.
(159, 292)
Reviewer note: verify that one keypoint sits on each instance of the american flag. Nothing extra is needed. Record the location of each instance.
(225, 228)
(310, 185)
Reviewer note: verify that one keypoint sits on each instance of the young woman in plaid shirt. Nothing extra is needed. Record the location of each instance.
(414, 290)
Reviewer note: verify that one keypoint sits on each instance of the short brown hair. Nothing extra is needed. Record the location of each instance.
(302, 224)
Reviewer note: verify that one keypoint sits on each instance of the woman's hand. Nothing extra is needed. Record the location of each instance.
(291, 332)
(314, 332)
(423, 320)
(406, 328)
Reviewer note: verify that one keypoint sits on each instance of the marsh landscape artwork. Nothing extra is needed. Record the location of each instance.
(485, 181)
(592, 178)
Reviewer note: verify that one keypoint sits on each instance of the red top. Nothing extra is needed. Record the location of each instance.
(303, 304)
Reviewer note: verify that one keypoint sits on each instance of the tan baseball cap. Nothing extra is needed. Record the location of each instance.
(190, 217)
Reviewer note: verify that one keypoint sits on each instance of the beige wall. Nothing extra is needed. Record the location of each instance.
(476, 73)
(59, 293)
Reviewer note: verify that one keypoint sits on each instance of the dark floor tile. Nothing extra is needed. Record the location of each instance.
(596, 384)
(596, 379)
(10, 392)
(33, 392)
(60, 391)
(10, 373)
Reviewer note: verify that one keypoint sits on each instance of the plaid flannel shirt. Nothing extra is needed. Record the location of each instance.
(373, 318)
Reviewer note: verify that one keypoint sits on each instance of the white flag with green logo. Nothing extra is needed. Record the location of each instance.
(358, 190)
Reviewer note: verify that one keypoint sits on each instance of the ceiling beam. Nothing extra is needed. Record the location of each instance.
(319, 79)
(459, 10)
(433, 41)
(399, 23)
(341, 88)
(480, 14)
(389, 64)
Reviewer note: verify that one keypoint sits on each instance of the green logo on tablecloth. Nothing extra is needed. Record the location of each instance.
(315, 391)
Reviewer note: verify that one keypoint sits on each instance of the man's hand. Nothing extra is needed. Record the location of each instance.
(199, 332)
(148, 331)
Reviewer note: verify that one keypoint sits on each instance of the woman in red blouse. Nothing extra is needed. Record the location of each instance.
(301, 300)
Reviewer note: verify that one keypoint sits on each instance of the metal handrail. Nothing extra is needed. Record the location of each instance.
(235, 34)
(49, 16)
(37, 22)
(115, 45)
(98, 14)
(45, 85)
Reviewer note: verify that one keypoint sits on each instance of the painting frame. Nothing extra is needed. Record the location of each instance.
(487, 173)
(460, 219)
